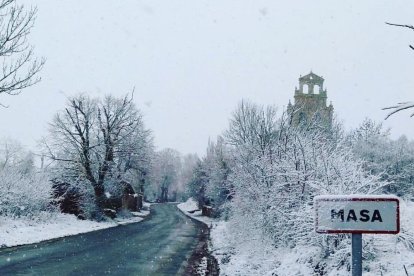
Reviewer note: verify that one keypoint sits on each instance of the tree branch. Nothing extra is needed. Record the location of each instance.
(403, 26)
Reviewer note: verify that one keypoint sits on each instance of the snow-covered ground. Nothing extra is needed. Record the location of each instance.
(251, 255)
(188, 206)
(243, 260)
(21, 231)
(256, 257)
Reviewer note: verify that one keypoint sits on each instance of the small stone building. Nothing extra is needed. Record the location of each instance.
(310, 103)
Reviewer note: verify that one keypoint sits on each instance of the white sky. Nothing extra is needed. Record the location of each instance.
(191, 62)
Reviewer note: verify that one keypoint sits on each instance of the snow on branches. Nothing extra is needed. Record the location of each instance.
(102, 142)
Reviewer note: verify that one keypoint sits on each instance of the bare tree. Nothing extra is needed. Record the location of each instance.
(71, 142)
(399, 107)
(403, 26)
(19, 66)
(98, 141)
(118, 120)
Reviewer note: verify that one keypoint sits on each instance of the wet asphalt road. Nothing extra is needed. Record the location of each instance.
(159, 245)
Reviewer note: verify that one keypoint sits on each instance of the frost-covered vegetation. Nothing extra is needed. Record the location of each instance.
(100, 152)
(263, 173)
(165, 176)
(24, 190)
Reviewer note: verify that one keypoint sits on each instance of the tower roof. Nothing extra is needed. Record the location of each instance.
(311, 77)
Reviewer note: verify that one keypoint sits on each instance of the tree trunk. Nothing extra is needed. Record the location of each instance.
(100, 198)
(164, 194)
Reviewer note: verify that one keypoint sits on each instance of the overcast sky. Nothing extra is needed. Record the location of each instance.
(191, 62)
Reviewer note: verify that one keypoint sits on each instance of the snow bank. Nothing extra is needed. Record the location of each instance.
(252, 256)
(136, 217)
(189, 205)
(24, 231)
(190, 208)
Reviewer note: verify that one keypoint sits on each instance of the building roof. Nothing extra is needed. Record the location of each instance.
(311, 77)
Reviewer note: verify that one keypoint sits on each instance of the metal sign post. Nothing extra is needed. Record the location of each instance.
(356, 255)
(356, 215)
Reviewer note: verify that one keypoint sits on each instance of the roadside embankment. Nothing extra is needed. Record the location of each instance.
(201, 262)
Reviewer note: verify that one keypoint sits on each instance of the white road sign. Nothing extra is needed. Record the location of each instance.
(357, 214)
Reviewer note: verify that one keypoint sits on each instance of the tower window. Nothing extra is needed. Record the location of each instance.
(316, 89)
(305, 89)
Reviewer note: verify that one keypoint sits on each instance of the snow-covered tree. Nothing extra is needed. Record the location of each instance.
(165, 175)
(135, 158)
(189, 162)
(218, 165)
(13, 155)
(98, 141)
(391, 160)
(196, 188)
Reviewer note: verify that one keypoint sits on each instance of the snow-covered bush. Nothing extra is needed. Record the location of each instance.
(23, 190)
(24, 194)
(73, 195)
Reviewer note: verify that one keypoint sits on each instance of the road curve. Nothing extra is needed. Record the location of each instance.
(160, 245)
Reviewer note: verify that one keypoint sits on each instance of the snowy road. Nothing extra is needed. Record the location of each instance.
(160, 245)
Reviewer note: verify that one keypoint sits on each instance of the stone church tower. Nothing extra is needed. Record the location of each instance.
(310, 103)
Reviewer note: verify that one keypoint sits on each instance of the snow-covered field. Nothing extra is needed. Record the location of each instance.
(251, 255)
(26, 231)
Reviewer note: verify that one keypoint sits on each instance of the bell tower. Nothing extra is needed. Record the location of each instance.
(310, 103)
